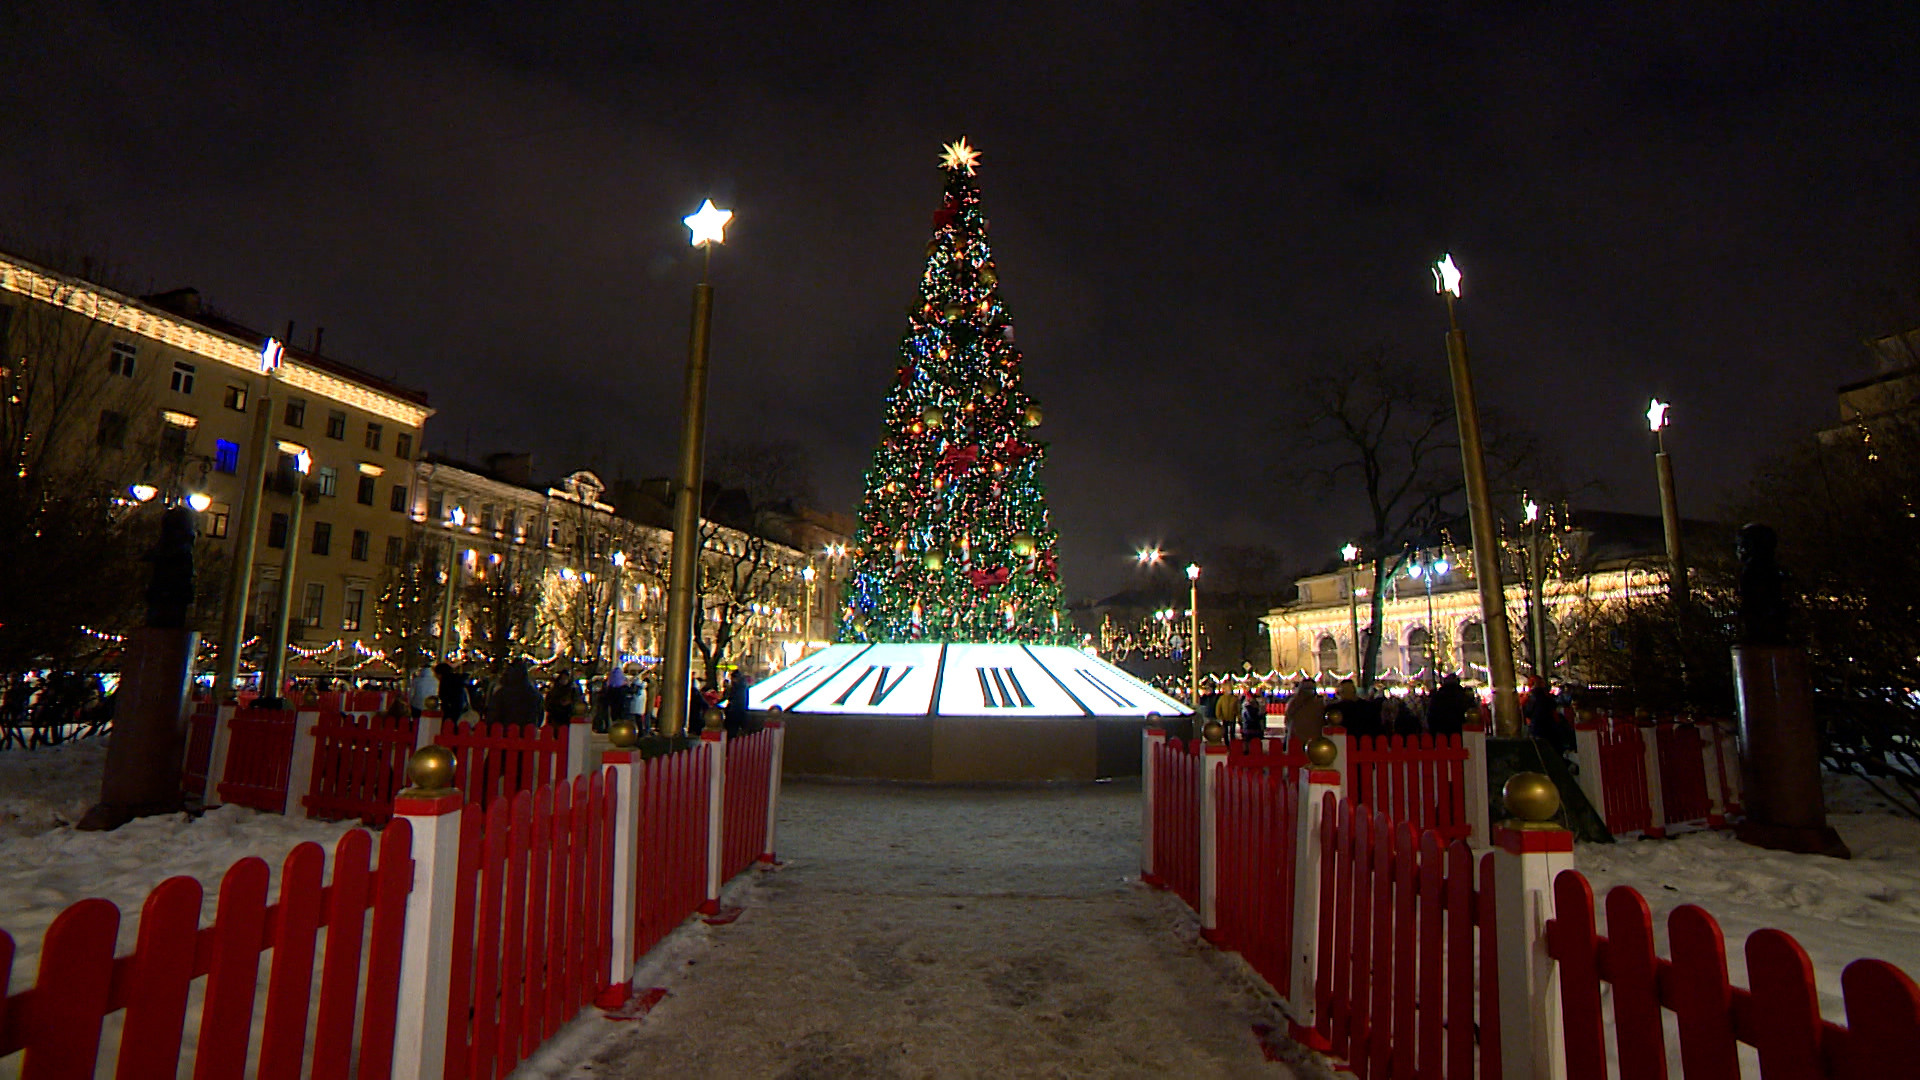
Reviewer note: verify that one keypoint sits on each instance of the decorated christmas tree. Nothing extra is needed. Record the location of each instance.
(954, 542)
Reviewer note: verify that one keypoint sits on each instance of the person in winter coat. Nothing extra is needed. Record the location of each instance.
(453, 692)
(563, 696)
(1306, 715)
(615, 701)
(736, 706)
(516, 700)
(1253, 717)
(424, 685)
(1448, 710)
(1542, 714)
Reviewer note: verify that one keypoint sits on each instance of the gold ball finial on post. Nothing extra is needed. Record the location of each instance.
(1322, 752)
(430, 769)
(623, 735)
(1532, 799)
(1214, 732)
(715, 719)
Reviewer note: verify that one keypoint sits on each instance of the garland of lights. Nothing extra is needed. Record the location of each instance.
(954, 541)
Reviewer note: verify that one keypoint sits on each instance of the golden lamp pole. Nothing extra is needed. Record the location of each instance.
(233, 620)
(1486, 549)
(1669, 503)
(1351, 554)
(708, 226)
(273, 672)
(1193, 627)
(806, 632)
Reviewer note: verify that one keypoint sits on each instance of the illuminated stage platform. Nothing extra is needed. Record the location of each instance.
(961, 713)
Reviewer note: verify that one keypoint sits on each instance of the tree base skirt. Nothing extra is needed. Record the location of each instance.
(960, 749)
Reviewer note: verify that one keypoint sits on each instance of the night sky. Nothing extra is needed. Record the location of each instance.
(1193, 210)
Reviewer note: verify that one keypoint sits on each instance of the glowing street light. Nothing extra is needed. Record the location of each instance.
(143, 492)
(1351, 555)
(1486, 540)
(199, 501)
(240, 581)
(1669, 502)
(271, 355)
(1657, 415)
(708, 224)
(1149, 556)
(1193, 629)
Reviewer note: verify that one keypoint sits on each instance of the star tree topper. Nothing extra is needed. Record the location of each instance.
(958, 155)
(708, 224)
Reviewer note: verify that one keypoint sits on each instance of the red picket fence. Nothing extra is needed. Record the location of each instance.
(58, 1021)
(495, 759)
(358, 765)
(1257, 812)
(1683, 773)
(1176, 819)
(744, 830)
(1416, 779)
(1271, 754)
(1778, 1016)
(259, 756)
(673, 843)
(200, 725)
(1405, 940)
(532, 921)
(1623, 778)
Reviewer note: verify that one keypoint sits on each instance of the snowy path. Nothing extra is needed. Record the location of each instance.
(940, 933)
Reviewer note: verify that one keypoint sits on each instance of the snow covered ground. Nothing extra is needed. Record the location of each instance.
(939, 932)
(1839, 910)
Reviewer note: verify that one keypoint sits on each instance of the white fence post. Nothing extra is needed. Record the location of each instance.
(300, 769)
(1473, 737)
(1212, 759)
(217, 757)
(1319, 779)
(1726, 749)
(420, 1028)
(623, 765)
(774, 768)
(1710, 767)
(1150, 737)
(715, 743)
(578, 730)
(1529, 852)
(426, 729)
(1656, 796)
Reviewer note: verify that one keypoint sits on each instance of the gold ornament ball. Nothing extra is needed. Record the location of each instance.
(1031, 416)
(953, 311)
(988, 388)
(934, 560)
(1024, 544)
(989, 276)
(933, 416)
(716, 719)
(1531, 797)
(623, 735)
(430, 768)
(1322, 752)
(1214, 732)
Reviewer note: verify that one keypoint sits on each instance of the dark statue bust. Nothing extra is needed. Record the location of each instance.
(1763, 610)
(170, 592)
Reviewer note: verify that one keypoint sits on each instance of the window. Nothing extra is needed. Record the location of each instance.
(1418, 648)
(403, 446)
(214, 521)
(327, 479)
(486, 517)
(362, 540)
(236, 398)
(398, 502)
(120, 359)
(182, 377)
(316, 603)
(350, 611)
(1329, 654)
(296, 414)
(1473, 644)
(173, 442)
(277, 531)
(373, 435)
(113, 429)
(365, 495)
(336, 424)
(226, 456)
(396, 550)
(436, 506)
(322, 538)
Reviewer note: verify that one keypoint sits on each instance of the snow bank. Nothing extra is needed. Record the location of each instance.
(49, 787)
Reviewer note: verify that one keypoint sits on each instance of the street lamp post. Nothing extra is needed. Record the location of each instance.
(233, 621)
(1669, 504)
(1536, 592)
(1193, 646)
(1426, 568)
(273, 672)
(1352, 555)
(1486, 544)
(806, 633)
(708, 227)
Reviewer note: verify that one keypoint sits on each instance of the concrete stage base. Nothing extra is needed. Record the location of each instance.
(960, 749)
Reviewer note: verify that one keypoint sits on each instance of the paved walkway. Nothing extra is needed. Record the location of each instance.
(942, 933)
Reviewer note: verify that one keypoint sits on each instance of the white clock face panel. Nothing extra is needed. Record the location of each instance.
(968, 679)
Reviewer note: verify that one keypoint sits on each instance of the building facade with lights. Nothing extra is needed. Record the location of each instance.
(1431, 614)
(601, 557)
(162, 403)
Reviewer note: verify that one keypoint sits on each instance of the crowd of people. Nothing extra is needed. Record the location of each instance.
(514, 698)
(1447, 710)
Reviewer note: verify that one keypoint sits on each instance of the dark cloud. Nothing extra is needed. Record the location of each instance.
(1194, 208)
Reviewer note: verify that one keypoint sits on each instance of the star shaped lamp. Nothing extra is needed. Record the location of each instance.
(708, 224)
(958, 155)
(1446, 277)
(1657, 414)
